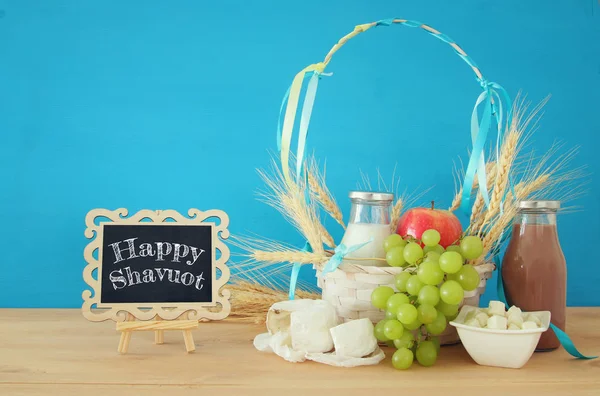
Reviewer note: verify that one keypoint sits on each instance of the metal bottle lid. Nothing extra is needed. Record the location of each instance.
(371, 196)
(550, 205)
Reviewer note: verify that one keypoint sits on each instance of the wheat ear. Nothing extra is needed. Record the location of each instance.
(323, 196)
(396, 212)
(508, 152)
(490, 171)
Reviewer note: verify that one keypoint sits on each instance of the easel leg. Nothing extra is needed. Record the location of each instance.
(189, 341)
(159, 335)
(125, 338)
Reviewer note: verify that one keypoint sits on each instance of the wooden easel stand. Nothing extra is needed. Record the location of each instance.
(158, 326)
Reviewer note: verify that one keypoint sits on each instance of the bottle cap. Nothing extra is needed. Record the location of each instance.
(553, 205)
(371, 196)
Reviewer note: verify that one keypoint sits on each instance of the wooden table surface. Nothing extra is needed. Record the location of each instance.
(58, 352)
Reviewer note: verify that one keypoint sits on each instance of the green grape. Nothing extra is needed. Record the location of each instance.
(402, 359)
(379, 331)
(471, 247)
(453, 248)
(405, 341)
(393, 329)
(431, 237)
(449, 310)
(452, 276)
(390, 315)
(451, 317)
(407, 313)
(413, 252)
(395, 301)
(436, 342)
(451, 292)
(380, 295)
(430, 273)
(426, 313)
(395, 256)
(451, 262)
(429, 295)
(413, 285)
(434, 249)
(390, 343)
(426, 353)
(393, 241)
(400, 281)
(468, 277)
(431, 256)
(438, 325)
(413, 326)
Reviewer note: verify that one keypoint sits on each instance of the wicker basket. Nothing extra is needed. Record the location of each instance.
(349, 289)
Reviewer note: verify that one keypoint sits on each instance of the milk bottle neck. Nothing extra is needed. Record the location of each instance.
(370, 212)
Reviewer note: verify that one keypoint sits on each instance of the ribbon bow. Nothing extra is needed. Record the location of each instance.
(494, 98)
(341, 251)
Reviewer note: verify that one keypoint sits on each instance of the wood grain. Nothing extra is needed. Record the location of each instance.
(59, 352)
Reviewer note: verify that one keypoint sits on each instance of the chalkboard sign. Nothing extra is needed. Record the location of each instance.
(165, 262)
(156, 263)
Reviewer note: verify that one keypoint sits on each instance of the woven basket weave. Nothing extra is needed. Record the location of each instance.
(349, 288)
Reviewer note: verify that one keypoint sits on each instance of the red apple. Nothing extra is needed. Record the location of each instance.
(418, 220)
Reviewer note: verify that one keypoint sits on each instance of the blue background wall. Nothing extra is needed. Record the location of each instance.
(157, 104)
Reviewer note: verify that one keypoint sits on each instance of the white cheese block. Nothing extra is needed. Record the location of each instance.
(529, 325)
(512, 326)
(497, 322)
(533, 318)
(484, 310)
(515, 318)
(482, 318)
(310, 332)
(470, 316)
(496, 308)
(473, 323)
(514, 310)
(354, 339)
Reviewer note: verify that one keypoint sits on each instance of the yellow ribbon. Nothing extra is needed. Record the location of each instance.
(290, 116)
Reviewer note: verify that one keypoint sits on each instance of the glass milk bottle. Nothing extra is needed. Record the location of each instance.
(369, 218)
(534, 269)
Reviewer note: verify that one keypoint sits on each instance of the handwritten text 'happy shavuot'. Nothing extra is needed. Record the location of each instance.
(125, 277)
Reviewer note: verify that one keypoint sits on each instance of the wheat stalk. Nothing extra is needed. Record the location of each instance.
(326, 236)
(288, 256)
(318, 188)
(289, 199)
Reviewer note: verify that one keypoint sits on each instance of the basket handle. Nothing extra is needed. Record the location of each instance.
(415, 24)
(495, 100)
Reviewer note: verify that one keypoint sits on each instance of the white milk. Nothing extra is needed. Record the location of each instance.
(358, 233)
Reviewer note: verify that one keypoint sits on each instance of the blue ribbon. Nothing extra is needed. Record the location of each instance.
(563, 338)
(492, 98)
(341, 251)
(307, 107)
(295, 271)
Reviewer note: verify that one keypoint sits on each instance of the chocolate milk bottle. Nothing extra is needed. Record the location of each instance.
(534, 268)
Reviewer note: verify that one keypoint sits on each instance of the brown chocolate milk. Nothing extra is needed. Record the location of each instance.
(534, 268)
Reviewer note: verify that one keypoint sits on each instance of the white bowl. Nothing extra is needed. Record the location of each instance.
(499, 348)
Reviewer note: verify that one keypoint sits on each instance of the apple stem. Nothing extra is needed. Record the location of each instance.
(432, 204)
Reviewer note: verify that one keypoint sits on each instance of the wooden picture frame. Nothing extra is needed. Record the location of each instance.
(96, 311)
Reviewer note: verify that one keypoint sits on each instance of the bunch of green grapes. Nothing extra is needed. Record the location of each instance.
(428, 293)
